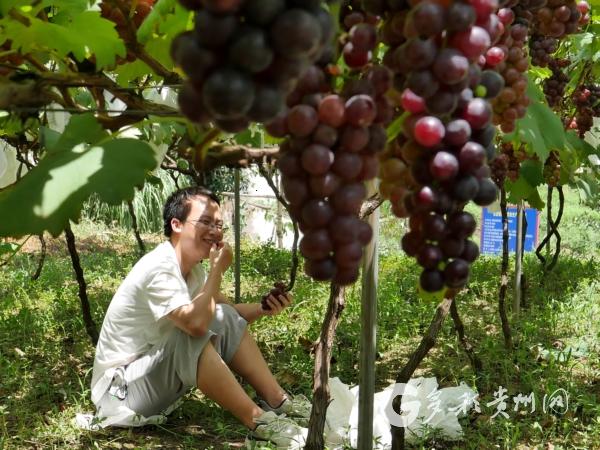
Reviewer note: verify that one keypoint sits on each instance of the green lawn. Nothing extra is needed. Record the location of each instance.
(46, 357)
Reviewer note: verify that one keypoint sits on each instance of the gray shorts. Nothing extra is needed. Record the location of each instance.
(152, 383)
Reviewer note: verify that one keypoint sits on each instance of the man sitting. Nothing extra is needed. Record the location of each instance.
(169, 328)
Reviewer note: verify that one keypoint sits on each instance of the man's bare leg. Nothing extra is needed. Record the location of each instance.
(249, 363)
(217, 382)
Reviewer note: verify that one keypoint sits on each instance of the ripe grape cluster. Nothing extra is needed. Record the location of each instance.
(559, 18)
(541, 49)
(552, 169)
(552, 22)
(361, 38)
(511, 104)
(244, 56)
(278, 289)
(127, 21)
(511, 159)
(499, 169)
(330, 152)
(554, 86)
(587, 106)
(439, 163)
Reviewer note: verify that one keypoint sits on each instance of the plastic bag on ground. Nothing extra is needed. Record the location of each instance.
(431, 407)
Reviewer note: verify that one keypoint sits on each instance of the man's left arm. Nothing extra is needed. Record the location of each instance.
(253, 311)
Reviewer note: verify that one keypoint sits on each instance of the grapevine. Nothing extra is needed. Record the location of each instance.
(243, 58)
(439, 162)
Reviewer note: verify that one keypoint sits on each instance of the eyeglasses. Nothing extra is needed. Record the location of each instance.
(207, 223)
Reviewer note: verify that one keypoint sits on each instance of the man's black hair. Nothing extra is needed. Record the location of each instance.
(178, 205)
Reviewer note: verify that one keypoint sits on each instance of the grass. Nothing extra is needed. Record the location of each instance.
(46, 357)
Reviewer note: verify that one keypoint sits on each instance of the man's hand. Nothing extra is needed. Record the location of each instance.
(278, 304)
(220, 256)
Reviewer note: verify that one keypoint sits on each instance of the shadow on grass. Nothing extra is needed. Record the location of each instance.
(45, 356)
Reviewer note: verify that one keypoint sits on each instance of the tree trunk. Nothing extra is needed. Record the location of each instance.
(555, 223)
(523, 283)
(504, 273)
(136, 231)
(90, 326)
(321, 394)
(427, 343)
(460, 331)
(279, 216)
(40, 266)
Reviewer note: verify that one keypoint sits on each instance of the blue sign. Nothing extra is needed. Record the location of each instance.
(491, 230)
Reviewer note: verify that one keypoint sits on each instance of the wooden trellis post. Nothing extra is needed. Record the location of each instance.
(368, 334)
(237, 233)
(518, 261)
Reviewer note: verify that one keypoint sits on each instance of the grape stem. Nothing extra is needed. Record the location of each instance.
(294, 268)
(321, 392)
(370, 205)
(40, 266)
(139, 50)
(90, 325)
(428, 341)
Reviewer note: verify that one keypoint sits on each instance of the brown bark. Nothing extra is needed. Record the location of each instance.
(234, 156)
(426, 344)
(460, 331)
(504, 273)
(321, 393)
(40, 266)
(555, 223)
(370, 205)
(136, 231)
(90, 326)
(285, 204)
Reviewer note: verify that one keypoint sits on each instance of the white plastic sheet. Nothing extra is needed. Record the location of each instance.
(437, 409)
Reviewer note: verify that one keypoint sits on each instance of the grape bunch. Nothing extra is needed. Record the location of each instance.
(499, 168)
(587, 106)
(558, 18)
(514, 158)
(361, 38)
(512, 101)
(244, 56)
(541, 49)
(552, 22)
(330, 152)
(440, 161)
(552, 169)
(554, 86)
(278, 289)
(392, 35)
(127, 21)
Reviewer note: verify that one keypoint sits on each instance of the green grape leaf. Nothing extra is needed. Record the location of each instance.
(581, 146)
(253, 136)
(8, 247)
(84, 34)
(522, 190)
(159, 11)
(129, 72)
(160, 49)
(395, 128)
(168, 18)
(81, 128)
(541, 129)
(53, 193)
(532, 172)
(48, 137)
